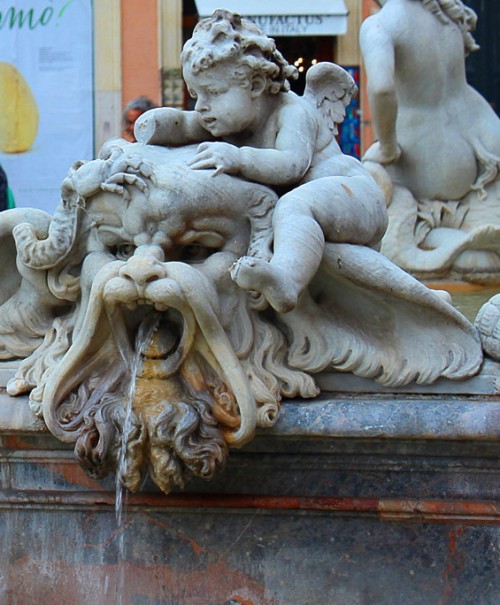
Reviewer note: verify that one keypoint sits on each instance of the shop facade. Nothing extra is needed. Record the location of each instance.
(142, 43)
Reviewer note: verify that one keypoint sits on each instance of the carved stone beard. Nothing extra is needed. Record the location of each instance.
(168, 422)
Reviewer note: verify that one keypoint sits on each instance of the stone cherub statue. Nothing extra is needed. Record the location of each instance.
(438, 140)
(170, 304)
(271, 136)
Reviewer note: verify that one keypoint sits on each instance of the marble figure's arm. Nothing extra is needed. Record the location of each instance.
(379, 58)
(170, 127)
(284, 164)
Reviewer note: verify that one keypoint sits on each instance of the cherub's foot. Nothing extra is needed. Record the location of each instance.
(260, 276)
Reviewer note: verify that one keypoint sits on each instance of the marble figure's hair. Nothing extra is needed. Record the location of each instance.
(225, 36)
(460, 14)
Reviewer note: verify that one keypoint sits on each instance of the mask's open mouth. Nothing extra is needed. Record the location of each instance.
(159, 341)
(153, 326)
(162, 347)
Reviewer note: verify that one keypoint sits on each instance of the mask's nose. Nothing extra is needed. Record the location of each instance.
(145, 266)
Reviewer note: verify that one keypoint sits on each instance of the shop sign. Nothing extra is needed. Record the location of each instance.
(300, 25)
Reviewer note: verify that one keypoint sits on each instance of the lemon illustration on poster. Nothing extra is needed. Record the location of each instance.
(46, 95)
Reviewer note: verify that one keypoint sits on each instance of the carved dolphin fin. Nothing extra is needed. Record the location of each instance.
(379, 322)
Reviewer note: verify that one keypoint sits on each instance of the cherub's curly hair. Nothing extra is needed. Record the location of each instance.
(226, 36)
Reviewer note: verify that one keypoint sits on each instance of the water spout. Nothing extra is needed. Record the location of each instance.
(143, 339)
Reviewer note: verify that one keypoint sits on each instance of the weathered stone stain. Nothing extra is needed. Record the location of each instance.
(62, 582)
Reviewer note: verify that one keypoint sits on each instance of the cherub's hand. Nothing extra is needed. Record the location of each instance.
(382, 154)
(221, 156)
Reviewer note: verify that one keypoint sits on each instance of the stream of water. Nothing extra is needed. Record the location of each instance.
(143, 339)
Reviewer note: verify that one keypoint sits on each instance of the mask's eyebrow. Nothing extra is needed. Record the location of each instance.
(221, 224)
(212, 239)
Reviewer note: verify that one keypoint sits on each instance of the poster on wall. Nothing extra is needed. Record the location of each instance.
(46, 95)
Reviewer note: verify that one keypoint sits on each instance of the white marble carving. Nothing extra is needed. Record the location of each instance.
(488, 325)
(141, 337)
(438, 147)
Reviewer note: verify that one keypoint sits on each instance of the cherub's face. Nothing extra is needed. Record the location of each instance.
(226, 105)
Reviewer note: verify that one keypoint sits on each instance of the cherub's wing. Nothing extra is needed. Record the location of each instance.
(331, 89)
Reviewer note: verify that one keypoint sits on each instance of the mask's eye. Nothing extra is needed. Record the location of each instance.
(193, 253)
(124, 251)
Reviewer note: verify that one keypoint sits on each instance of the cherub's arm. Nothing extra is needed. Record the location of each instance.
(289, 161)
(286, 163)
(379, 59)
(170, 126)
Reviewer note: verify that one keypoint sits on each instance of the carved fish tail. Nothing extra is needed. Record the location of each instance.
(46, 253)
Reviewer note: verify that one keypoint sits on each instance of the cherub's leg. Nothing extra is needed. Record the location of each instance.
(335, 209)
(298, 250)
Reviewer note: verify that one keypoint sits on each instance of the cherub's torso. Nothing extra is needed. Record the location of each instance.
(326, 160)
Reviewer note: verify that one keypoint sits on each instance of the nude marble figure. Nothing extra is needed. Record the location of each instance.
(438, 140)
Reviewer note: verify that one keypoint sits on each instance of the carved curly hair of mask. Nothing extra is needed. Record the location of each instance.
(226, 37)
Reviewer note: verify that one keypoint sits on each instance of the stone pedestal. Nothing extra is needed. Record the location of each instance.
(357, 500)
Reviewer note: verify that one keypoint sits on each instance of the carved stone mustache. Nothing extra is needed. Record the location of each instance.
(146, 280)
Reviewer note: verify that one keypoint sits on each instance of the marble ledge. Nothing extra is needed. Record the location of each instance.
(351, 408)
(342, 416)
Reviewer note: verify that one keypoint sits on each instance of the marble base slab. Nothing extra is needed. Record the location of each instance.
(352, 498)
